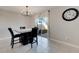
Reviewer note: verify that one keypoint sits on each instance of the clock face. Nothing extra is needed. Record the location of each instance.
(70, 14)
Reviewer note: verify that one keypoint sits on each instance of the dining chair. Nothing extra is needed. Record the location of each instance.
(34, 35)
(27, 38)
(13, 36)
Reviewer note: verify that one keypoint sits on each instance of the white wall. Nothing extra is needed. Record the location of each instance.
(14, 20)
(63, 30)
(60, 29)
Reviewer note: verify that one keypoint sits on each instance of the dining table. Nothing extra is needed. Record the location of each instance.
(22, 30)
(24, 39)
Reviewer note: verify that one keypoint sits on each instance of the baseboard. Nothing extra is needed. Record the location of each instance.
(66, 43)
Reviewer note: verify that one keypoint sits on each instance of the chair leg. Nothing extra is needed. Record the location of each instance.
(37, 40)
(12, 45)
(31, 45)
(12, 42)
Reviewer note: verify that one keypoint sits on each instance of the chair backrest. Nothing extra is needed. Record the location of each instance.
(11, 32)
(34, 31)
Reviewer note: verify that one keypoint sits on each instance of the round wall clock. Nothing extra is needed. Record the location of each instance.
(70, 14)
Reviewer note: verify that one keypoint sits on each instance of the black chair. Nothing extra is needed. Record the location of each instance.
(34, 35)
(13, 37)
(26, 38)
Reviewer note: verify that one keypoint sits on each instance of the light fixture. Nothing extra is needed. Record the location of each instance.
(26, 11)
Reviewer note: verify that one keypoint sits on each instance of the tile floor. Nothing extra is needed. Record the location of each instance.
(44, 46)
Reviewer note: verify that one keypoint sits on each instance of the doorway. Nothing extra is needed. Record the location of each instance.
(42, 24)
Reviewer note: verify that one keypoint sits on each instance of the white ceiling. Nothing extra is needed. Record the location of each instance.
(21, 9)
